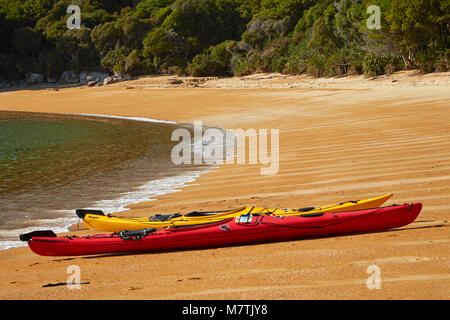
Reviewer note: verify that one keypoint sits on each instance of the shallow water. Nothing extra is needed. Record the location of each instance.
(51, 165)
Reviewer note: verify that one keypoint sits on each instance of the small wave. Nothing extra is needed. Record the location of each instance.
(58, 225)
(126, 118)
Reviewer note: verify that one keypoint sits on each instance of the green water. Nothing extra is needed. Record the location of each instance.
(50, 164)
(42, 150)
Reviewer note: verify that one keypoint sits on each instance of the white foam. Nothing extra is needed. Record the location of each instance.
(127, 118)
(58, 225)
(149, 191)
(8, 244)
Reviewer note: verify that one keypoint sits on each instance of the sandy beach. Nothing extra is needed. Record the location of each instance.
(340, 139)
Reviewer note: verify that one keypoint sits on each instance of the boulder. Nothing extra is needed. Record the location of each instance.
(83, 75)
(175, 81)
(87, 76)
(35, 78)
(108, 80)
(121, 77)
(92, 83)
(69, 77)
(126, 77)
(101, 76)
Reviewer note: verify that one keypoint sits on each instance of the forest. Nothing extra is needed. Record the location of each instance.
(223, 37)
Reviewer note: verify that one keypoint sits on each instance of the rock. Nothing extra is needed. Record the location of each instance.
(87, 76)
(69, 77)
(35, 78)
(175, 81)
(126, 77)
(92, 83)
(108, 80)
(83, 76)
(101, 76)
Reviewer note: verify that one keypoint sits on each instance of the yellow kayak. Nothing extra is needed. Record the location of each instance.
(96, 219)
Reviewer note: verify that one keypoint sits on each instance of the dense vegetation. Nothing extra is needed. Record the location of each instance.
(223, 37)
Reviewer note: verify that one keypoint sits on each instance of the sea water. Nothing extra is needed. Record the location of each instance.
(53, 164)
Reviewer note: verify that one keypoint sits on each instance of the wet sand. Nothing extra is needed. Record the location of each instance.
(342, 142)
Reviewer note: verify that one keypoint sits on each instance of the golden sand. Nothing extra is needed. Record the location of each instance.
(340, 139)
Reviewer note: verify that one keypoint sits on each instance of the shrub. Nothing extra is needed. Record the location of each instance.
(274, 57)
(55, 64)
(137, 64)
(114, 60)
(376, 65)
(316, 66)
(434, 58)
(105, 37)
(298, 56)
(214, 61)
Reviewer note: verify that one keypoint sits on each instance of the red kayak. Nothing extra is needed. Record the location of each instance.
(233, 231)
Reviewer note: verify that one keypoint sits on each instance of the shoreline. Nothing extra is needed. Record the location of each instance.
(399, 79)
(146, 192)
(400, 136)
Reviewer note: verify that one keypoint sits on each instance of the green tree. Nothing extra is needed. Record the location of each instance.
(26, 41)
(215, 61)
(419, 27)
(106, 37)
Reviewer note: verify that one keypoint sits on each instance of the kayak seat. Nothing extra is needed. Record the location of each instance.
(193, 225)
(311, 215)
(202, 213)
(198, 214)
(164, 217)
(350, 201)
